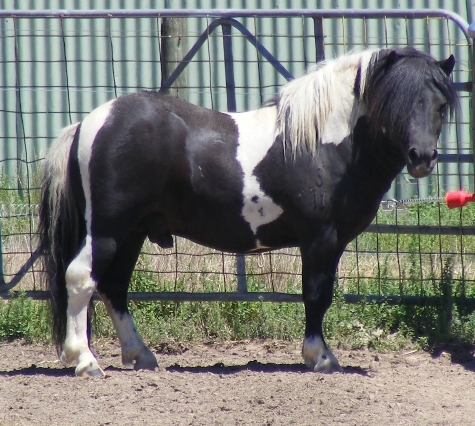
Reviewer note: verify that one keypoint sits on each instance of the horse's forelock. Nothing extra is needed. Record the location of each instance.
(391, 91)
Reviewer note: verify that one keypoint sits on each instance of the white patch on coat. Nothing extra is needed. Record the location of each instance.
(79, 283)
(80, 288)
(256, 136)
(343, 115)
(89, 128)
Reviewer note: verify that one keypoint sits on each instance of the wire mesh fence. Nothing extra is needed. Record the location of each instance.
(56, 68)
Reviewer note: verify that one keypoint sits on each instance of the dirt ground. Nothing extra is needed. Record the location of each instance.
(241, 383)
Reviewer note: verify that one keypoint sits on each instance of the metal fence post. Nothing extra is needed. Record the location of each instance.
(319, 39)
(471, 34)
(231, 101)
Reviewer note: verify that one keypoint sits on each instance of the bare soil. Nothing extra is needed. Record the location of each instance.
(236, 383)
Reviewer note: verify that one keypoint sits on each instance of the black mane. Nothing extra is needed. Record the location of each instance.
(394, 79)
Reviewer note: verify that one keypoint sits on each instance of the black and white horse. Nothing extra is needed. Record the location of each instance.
(307, 170)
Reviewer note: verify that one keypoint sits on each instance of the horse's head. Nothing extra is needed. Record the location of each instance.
(409, 94)
(425, 124)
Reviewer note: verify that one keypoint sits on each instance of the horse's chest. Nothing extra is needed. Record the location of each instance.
(255, 138)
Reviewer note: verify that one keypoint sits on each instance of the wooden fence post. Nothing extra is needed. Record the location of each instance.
(173, 49)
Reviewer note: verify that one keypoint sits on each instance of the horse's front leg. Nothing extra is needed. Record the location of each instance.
(318, 275)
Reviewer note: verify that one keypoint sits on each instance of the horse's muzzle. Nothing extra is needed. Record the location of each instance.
(420, 164)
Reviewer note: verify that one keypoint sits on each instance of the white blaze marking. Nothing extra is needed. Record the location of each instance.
(256, 136)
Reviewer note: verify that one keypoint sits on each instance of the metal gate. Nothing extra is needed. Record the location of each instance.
(56, 66)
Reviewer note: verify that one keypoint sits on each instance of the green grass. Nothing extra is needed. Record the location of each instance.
(24, 318)
(406, 265)
(363, 325)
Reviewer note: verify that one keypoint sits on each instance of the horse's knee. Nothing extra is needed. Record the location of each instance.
(80, 288)
(318, 291)
(78, 275)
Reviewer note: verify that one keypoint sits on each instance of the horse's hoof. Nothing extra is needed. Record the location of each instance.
(327, 365)
(141, 358)
(318, 357)
(146, 363)
(95, 373)
(91, 369)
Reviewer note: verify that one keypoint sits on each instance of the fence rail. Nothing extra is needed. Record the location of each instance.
(266, 55)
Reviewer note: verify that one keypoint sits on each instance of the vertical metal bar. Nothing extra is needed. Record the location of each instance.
(229, 68)
(319, 39)
(231, 103)
(2, 273)
(241, 273)
(20, 128)
(471, 34)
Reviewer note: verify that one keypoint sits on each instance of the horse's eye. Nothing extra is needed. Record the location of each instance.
(443, 109)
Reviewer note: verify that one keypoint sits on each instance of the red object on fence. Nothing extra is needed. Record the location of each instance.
(455, 199)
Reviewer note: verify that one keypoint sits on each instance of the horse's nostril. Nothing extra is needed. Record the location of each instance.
(413, 155)
(435, 155)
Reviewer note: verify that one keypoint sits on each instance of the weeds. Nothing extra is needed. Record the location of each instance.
(436, 266)
(24, 318)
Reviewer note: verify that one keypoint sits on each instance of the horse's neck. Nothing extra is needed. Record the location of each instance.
(375, 156)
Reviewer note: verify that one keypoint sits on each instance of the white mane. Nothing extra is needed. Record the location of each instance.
(327, 90)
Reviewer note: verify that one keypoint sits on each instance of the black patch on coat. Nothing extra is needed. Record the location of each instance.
(75, 174)
(164, 166)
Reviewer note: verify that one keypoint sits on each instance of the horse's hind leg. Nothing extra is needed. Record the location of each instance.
(113, 287)
(80, 287)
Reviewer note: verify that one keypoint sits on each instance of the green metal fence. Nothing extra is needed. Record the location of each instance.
(56, 66)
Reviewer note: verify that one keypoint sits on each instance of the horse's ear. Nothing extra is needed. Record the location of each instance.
(447, 65)
(392, 58)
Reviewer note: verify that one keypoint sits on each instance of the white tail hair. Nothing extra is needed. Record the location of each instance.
(55, 168)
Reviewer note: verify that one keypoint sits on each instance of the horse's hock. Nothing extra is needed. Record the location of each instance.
(230, 61)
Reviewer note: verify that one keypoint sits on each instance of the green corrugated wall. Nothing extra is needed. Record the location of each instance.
(53, 71)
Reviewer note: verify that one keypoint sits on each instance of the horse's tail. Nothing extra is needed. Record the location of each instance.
(61, 227)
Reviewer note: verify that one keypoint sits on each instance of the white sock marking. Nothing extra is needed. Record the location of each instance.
(131, 342)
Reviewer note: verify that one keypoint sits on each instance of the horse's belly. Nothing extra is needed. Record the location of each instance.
(231, 234)
(232, 231)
